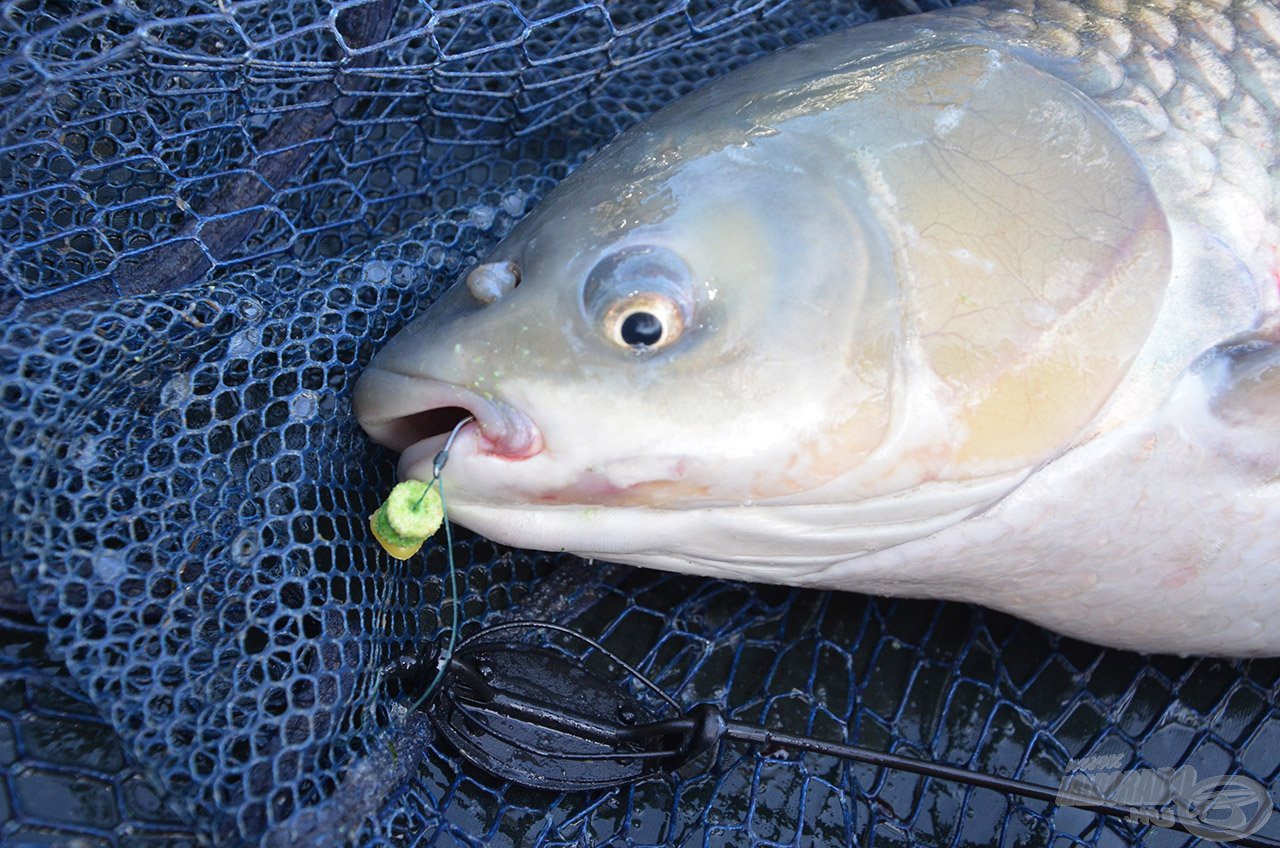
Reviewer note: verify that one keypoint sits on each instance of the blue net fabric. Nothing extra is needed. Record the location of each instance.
(68, 779)
(211, 216)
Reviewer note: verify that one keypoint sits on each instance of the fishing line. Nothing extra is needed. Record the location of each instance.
(455, 602)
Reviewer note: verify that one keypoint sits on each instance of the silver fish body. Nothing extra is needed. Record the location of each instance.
(981, 304)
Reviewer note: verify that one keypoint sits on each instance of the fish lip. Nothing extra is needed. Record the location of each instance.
(386, 401)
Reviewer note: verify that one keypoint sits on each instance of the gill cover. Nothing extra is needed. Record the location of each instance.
(1037, 254)
(1030, 247)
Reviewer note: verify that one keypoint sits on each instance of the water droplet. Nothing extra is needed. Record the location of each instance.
(243, 344)
(513, 204)
(303, 404)
(85, 451)
(177, 392)
(245, 545)
(482, 215)
(109, 565)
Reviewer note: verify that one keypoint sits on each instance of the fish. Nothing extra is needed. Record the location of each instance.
(981, 304)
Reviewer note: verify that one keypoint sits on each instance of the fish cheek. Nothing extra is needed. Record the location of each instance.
(853, 422)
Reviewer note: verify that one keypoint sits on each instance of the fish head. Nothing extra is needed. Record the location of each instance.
(798, 287)
(659, 332)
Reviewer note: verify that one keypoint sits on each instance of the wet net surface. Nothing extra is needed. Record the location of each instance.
(211, 216)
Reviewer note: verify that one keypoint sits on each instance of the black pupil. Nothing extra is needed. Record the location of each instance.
(641, 329)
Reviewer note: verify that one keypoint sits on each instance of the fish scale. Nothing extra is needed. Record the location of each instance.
(1195, 87)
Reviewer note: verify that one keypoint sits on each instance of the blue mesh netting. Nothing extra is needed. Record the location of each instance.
(211, 215)
(68, 779)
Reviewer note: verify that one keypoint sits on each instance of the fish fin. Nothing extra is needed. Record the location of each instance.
(1244, 375)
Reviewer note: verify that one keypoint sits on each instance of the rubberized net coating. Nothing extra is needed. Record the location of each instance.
(211, 215)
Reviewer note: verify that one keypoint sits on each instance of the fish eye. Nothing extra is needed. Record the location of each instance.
(644, 321)
(640, 297)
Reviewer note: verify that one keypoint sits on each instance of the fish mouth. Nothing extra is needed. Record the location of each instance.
(415, 415)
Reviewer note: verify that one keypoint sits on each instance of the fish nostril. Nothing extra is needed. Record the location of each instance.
(491, 281)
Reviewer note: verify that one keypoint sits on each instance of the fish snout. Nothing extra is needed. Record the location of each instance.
(415, 414)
